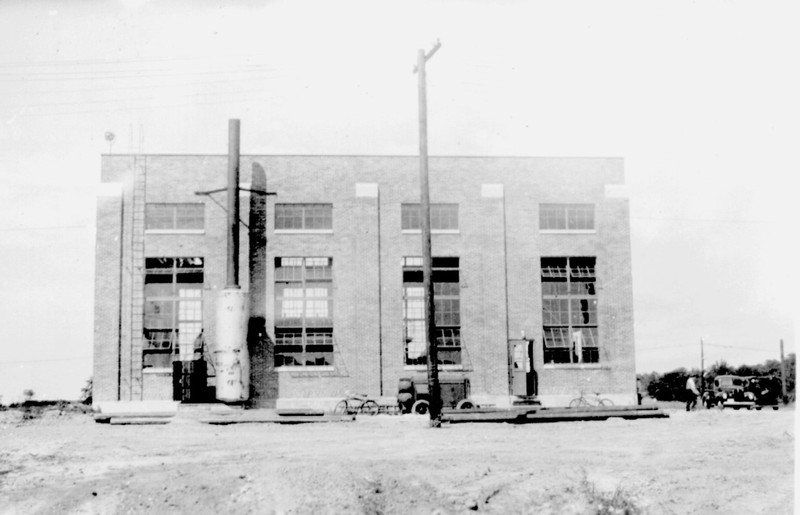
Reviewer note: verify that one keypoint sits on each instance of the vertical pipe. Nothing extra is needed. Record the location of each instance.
(427, 260)
(119, 307)
(233, 204)
(505, 284)
(380, 299)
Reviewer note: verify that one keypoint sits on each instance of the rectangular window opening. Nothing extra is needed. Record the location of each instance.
(174, 216)
(444, 217)
(304, 217)
(566, 217)
(569, 310)
(303, 311)
(447, 311)
(173, 311)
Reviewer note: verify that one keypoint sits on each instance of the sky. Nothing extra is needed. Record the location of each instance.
(699, 98)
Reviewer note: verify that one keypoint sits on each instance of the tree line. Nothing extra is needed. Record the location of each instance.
(671, 386)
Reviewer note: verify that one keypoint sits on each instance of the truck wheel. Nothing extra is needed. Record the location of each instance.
(420, 407)
(465, 404)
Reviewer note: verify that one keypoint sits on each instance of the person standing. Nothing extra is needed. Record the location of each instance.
(691, 394)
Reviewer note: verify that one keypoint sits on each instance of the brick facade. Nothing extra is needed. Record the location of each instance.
(499, 246)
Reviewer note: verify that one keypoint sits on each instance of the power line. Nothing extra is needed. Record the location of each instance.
(45, 228)
(79, 358)
(709, 220)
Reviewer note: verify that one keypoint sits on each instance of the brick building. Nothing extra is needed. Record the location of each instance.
(532, 274)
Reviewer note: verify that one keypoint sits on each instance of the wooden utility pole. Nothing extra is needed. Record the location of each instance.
(434, 390)
(233, 204)
(702, 370)
(783, 377)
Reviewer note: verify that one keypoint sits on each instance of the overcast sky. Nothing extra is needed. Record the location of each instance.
(699, 98)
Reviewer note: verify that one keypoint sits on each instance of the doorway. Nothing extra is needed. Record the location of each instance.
(523, 376)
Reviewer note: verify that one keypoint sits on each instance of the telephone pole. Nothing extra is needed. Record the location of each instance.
(702, 370)
(434, 390)
(783, 377)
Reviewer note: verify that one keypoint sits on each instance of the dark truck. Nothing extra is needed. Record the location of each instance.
(728, 391)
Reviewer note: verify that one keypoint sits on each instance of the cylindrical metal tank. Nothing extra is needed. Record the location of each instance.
(230, 352)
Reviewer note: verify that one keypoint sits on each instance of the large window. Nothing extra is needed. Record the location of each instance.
(566, 217)
(304, 217)
(173, 309)
(303, 311)
(174, 217)
(447, 308)
(569, 310)
(444, 217)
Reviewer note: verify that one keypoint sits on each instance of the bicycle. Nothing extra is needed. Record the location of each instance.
(356, 403)
(589, 402)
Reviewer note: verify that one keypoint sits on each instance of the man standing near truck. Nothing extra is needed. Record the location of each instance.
(691, 394)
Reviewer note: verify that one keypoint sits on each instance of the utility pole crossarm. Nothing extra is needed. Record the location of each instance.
(427, 56)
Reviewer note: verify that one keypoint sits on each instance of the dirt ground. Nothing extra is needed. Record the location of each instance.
(708, 461)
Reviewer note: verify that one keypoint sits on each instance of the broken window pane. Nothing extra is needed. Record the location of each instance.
(569, 310)
(447, 311)
(173, 309)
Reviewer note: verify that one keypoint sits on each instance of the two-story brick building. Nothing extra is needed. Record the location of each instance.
(532, 275)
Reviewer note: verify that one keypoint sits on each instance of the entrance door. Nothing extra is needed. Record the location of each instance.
(523, 376)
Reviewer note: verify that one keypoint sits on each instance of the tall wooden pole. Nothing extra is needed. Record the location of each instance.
(233, 204)
(434, 390)
(783, 377)
(702, 369)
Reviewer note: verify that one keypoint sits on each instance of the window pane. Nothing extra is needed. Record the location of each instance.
(288, 216)
(555, 311)
(158, 314)
(584, 311)
(318, 216)
(409, 217)
(444, 216)
(552, 216)
(566, 216)
(189, 216)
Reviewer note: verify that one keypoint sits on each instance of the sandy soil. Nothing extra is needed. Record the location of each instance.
(700, 462)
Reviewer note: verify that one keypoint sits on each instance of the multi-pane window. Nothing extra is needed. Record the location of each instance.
(304, 217)
(447, 309)
(569, 310)
(566, 217)
(303, 311)
(174, 217)
(173, 309)
(444, 217)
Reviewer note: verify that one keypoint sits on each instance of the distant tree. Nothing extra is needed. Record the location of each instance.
(671, 386)
(28, 394)
(86, 391)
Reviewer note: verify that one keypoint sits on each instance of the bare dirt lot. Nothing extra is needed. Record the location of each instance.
(700, 462)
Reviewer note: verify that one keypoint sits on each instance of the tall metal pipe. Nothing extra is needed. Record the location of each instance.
(233, 204)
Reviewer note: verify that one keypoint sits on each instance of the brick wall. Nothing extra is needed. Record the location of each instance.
(367, 245)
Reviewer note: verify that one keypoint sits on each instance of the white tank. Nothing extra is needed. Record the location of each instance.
(230, 352)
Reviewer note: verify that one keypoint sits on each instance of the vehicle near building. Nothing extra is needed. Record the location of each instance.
(750, 392)
(767, 391)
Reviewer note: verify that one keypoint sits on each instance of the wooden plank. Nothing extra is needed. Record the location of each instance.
(485, 416)
(567, 414)
(275, 419)
(131, 421)
(106, 417)
(301, 412)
